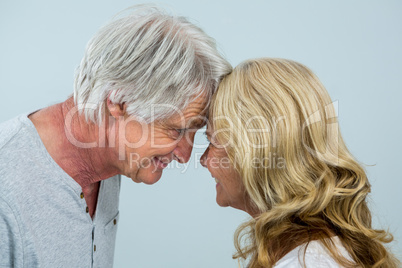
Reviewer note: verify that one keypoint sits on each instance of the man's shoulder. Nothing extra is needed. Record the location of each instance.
(17, 140)
(9, 130)
(16, 153)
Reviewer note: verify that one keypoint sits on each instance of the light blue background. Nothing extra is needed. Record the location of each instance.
(355, 47)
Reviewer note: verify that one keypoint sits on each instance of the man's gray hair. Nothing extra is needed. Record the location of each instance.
(147, 59)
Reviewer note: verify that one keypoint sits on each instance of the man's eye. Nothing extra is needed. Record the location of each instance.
(181, 130)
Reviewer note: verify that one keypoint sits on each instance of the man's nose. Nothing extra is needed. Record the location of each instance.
(184, 148)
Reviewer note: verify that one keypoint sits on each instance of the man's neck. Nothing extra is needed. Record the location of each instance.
(65, 142)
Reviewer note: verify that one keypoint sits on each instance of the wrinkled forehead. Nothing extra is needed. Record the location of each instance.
(193, 116)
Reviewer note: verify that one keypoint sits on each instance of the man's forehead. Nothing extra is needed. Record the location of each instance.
(193, 116)
(192, 119)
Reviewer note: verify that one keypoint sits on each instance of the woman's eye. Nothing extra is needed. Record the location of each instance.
(210, 143)
(206, 137)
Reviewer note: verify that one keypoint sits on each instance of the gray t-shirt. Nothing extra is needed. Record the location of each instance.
(43, 218)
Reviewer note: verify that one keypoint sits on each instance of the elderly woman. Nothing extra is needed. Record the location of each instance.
(276, 152)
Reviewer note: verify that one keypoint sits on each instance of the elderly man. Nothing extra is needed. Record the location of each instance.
(141, 92)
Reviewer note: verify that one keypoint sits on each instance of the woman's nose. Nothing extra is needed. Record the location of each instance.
(204, 158)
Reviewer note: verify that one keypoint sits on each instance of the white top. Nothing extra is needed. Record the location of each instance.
(316, 256)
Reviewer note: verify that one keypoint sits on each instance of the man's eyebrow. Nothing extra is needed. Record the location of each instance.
(197, 123)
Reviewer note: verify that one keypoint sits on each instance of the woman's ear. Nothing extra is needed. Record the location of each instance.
(116, 110)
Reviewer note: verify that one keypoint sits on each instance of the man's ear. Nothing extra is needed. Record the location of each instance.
(116, 110)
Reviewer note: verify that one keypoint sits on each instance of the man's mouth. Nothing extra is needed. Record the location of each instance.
(159, 163)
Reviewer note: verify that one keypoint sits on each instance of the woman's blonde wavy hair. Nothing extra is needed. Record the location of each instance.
(276, 109)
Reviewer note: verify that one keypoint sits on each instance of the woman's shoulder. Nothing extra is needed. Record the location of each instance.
(316, 256)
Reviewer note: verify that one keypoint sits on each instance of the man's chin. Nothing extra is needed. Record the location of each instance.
(148, 179)
(135, 180)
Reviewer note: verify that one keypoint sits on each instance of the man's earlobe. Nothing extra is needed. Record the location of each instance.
(116, 109)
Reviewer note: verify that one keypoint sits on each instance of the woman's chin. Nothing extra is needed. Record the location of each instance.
(221, 203)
